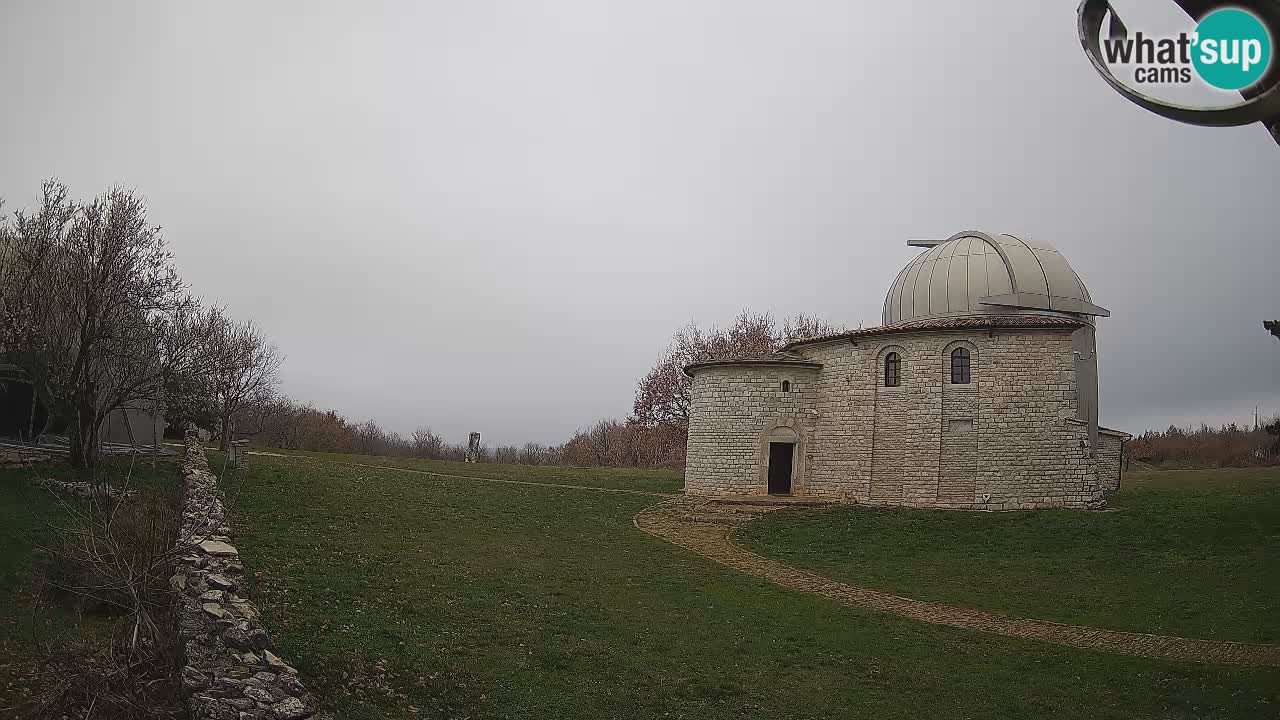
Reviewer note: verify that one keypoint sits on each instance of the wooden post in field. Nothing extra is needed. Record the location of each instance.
(156, 432)
(239, 454)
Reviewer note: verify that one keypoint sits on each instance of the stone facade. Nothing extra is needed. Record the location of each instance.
(1111, 458)
(1010, 439)
(1020, 432)
(736, 408)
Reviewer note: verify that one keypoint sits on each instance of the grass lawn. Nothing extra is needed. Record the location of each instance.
(1191, 552)
(29, 618)
(405, 595)
(657, 481)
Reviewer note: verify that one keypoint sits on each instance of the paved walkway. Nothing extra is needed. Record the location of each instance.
(704, 527)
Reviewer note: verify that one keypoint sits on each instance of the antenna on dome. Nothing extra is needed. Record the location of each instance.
(924, 243)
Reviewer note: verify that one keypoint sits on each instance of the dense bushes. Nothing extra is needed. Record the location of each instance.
(1226, 446)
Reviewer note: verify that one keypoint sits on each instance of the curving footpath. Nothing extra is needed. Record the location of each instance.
(705, 526)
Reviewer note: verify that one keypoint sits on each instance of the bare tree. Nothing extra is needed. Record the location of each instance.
(29, 253)
(87, 291)
(804, 327)
(533, 454)
(245, 369)
(393, 443)
(367, 434)
(603, 440)
(189, 349)
(281, 422)
(426, 444)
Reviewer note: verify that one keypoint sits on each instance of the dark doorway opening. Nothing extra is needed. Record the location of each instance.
(780, 456)
(16, 420)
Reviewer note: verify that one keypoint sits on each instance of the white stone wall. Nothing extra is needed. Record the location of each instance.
(1002, 442)
(728, 421)
(1110, 457)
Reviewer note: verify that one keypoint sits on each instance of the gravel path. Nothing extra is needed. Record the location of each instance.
(704, 527)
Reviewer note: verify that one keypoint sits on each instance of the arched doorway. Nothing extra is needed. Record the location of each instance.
(781, 453)
(781, 460)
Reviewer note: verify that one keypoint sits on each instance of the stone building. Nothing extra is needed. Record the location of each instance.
(979, 392)
(23, 414)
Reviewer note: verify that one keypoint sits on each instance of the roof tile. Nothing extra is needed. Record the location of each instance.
(952, 323)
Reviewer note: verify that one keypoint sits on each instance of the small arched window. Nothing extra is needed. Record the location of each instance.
(892, 370)
(786, 386)
(960, 366)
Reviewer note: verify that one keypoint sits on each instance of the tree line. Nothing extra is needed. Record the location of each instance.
(1229, 445)
(654, 436)
(656, 432)
(93, 310)
(288, 425)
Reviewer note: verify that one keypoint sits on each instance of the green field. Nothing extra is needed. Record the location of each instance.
(23, 509)
(654, 481)
(402, 594)
(1191, 553)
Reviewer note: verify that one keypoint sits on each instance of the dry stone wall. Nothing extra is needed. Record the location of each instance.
(1008, 440)
(231, 672)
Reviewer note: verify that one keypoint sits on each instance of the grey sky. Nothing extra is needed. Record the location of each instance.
(491, 216)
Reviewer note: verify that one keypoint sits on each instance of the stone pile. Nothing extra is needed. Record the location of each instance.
(15, 457)
(83, 489)
(231, 672)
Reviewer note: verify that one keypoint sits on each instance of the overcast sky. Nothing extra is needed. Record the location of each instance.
(492, 215)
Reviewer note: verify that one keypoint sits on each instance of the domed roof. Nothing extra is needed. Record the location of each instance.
(977, 273)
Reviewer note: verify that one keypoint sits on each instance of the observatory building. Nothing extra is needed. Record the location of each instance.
(979, 392)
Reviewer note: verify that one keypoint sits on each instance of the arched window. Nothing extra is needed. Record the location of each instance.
(960, 366)
(786, 386)
(892, 370)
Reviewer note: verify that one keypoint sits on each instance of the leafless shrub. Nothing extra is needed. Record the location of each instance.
(427, 444)
(534, 454)
(506, 455)
(612, 443)
(109, 679)
(244, 367)
(113, 556)
(282, 423)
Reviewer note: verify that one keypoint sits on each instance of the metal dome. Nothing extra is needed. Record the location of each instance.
(978, 273)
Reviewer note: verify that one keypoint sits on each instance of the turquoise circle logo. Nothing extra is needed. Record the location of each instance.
(1233, 49)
